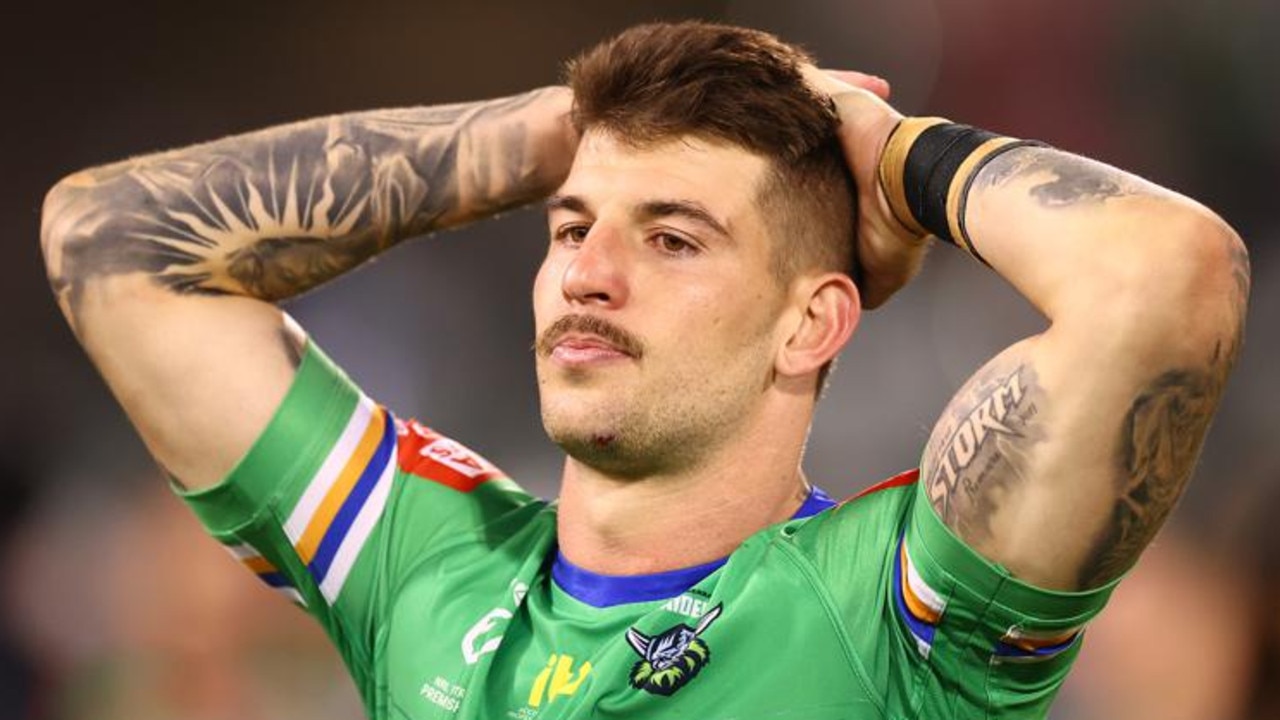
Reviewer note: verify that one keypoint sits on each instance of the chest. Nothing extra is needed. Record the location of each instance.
(482, 640)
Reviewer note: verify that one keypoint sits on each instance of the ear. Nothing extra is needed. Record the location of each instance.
(830, 309)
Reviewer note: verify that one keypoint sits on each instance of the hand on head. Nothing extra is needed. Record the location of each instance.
(889, 255)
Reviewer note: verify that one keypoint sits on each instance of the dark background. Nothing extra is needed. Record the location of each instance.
(106, 591)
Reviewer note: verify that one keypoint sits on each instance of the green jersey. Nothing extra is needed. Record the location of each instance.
(440, 583)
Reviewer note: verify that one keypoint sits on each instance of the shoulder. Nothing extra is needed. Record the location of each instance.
(878, 508)
(441, 477)
(860, 530)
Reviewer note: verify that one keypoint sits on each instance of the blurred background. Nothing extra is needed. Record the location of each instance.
(114, 606)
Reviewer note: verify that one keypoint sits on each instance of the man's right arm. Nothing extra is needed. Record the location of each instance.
(167, 266)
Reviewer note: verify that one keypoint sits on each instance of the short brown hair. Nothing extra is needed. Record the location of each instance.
(661, 81)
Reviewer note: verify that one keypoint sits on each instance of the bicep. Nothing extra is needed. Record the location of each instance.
(198, 376)
(1063, 455)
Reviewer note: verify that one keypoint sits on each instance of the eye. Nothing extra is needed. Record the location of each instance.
(572, 234)
(674, 244)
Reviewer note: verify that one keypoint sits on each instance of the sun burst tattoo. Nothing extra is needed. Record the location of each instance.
(274, 213)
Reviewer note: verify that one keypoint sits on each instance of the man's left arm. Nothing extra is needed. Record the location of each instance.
(1062, 457)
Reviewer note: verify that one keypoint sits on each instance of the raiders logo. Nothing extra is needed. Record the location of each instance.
(670, 659)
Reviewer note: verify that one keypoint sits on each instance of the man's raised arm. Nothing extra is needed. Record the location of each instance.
(1062, 456)
(166, 265)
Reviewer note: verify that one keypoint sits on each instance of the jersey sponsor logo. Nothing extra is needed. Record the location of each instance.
(557, 679)
(432, 456)
(673, 657)
(480, 640)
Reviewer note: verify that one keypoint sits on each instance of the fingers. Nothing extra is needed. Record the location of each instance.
(835, 82)
(888, 254)
(872, 83)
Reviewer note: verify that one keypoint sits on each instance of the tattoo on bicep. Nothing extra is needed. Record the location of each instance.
(1160, 440)
(1063, 179)
(273, 213)
(977, 453)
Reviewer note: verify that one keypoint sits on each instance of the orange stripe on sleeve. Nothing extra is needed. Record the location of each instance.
(341, 488)
(915, 605)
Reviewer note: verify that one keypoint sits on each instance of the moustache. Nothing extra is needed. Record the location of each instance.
(588, 325)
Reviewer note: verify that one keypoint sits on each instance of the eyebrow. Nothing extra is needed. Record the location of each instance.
(688, 209)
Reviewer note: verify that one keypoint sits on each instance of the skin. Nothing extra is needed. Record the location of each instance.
(683, 372)
(167, 266)
(708, 403)
(1062, 457)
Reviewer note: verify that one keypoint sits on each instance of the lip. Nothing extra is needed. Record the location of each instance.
(577, 350)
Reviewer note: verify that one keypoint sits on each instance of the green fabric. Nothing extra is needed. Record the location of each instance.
(449, 611)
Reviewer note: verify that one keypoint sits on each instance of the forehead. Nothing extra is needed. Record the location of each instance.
(721, 177)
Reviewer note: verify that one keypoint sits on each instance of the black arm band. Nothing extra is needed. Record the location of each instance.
(931, 166)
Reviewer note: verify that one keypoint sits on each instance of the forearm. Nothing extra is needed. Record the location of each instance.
(273, 213)
(1095, 247)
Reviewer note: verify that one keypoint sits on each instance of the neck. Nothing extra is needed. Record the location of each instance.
(625, 526)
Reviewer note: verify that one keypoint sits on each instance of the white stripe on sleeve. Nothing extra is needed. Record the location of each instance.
(328, 473)
(358, 533)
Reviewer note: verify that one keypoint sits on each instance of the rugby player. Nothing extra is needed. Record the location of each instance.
(711, 200)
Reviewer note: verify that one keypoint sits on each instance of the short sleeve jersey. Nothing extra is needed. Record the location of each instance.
(438, 580)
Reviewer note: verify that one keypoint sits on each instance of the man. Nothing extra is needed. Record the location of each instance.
(695, 291)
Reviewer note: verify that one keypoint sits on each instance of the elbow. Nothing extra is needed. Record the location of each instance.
(52, 230)
(61, 219)
(56, 226)
(1191, 292)
(71, 218)
(1209, 285)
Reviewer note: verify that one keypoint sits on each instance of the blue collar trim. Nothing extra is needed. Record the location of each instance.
(817, 501)
(602, 591)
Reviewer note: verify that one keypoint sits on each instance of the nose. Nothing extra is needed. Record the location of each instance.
(596, 274)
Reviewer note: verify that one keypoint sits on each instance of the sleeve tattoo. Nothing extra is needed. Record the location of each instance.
(273, 213)
(979, 452)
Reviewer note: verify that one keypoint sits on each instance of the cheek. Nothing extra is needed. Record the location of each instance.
(545, 289)
(724, 334)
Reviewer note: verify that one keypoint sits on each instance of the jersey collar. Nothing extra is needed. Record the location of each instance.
(602, 591)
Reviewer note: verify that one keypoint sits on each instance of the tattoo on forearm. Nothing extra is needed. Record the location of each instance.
(273, 213)
(976, 455)
(1063, 179)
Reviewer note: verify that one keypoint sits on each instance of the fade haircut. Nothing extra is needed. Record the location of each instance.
(659, 82)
